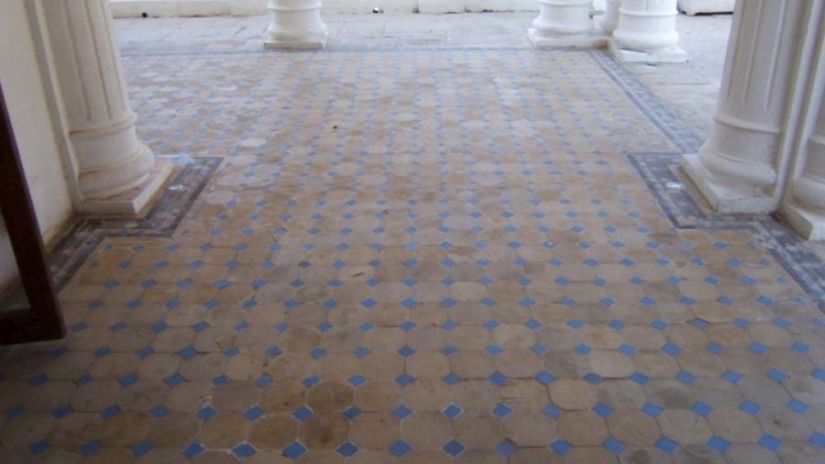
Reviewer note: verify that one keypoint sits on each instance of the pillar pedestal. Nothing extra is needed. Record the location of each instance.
(804, 203)
(116, 173)
(295, 24)
(737, 169)
(646, 32)
(565, 23)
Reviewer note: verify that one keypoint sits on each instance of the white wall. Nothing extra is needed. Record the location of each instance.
(36, 140)
(135, 8)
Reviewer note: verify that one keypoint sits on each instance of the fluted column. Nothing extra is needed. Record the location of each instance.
(295, 24)
(115, 170)
(611, 16)
(737, 167)
(804, 202)
(646, 32)
(565, 23)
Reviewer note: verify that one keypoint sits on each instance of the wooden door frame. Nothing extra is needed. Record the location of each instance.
(42, 319)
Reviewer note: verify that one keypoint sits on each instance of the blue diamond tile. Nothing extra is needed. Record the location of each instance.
(666, 445)
(592, 378)
(732, 376)
(817, 439)
(311, 381)
(652, 409)
(193, 449)
(685, 377)
(453, 448)
(302, 413)
(749, 408)
(400, 448)
(507, 448)
(402, 412)
(404, 379)
(502, 410)
(39, 447)
(140, 449)
(613, 446)
(494, 350)
(777, 375)
(497, 378)
(603, 410)
(243, 451)
(452, 411)
(545, 378)
(347, 449)
(254, 413)
(206, 413)
(797, 406)
(406, 351)
(294, 450)
(770, 442)
(561, 447)
(703, 409)
(351, 413)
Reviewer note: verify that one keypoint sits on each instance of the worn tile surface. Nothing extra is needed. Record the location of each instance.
(429, 255)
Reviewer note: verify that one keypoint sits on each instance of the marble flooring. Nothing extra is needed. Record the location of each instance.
(425, 254)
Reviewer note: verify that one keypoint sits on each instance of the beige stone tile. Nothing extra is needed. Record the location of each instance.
(572, 394)
(684, 426)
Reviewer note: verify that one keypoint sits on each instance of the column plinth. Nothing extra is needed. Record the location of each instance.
(737, 167)
(565, 23)
(295, 24)
(116, 173)
(804, 202)
(646, 32)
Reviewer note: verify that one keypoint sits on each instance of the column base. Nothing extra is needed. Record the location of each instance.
(721, 197)
(807, 223)
(308, 43)
(593, 40)
(133, 202)
(670, 55)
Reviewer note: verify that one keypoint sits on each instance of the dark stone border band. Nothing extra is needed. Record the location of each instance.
(84, 236)
(659, 173)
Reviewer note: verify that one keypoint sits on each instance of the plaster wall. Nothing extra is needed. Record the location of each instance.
(136, 8)
(36, 138)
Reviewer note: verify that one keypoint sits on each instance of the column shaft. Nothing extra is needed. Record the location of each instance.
(97, 114)
(736, 168)
(804, 202)
(611, 16)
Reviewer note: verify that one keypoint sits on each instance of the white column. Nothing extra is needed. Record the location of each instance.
(565, 23)
(116, 172)
(647, 32)
(611, 16)
(737, 167)
(295, 24)
(804, 202)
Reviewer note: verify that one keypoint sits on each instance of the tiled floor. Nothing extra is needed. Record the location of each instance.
(430, 255)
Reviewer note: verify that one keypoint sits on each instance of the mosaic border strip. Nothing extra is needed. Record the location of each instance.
(659, 173)
(84, 236)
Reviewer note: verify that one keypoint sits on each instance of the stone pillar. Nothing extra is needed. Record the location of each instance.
(116, 172)
(295, 24)
(565, 23)
(804, 202)
(647, 32)
(611, 16)
(737, 167)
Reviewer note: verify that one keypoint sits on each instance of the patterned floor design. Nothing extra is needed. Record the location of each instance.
(427, 255)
